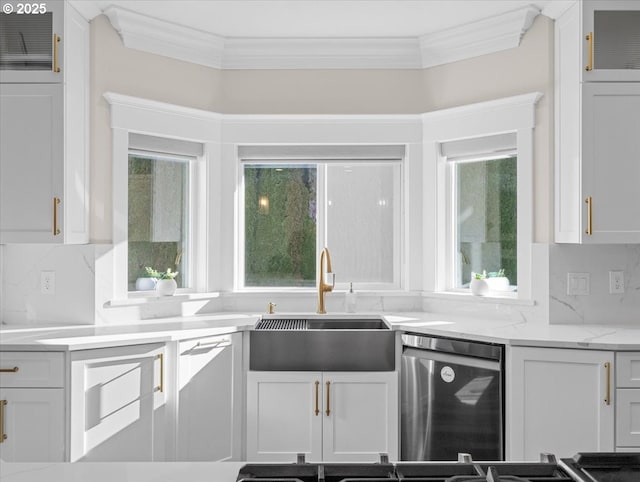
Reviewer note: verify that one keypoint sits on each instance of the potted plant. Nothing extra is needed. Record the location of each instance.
(482, 283)
(165, 281)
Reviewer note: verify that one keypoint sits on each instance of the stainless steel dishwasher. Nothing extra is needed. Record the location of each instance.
(452, 399)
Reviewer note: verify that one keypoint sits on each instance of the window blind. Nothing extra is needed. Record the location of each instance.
(480, 147)
(165, 145)
(322, 153)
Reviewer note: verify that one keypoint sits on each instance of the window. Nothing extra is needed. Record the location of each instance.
(294, 205)
(483, 195)
(160, 204)
(158, 216)
(485, 219)
(481, 156)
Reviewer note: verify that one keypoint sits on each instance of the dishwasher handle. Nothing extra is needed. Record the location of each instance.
(461, 360)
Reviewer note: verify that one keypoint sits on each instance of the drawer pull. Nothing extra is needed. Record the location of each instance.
(328, 412)
(607, 398)
(3, 436)
(160, 388)
(214, 343)
(317, 408)
(9, 370)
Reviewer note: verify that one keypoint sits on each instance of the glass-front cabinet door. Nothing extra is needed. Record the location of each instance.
(611, 41)
(31, 48)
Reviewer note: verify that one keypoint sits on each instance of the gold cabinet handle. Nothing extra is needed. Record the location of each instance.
(607, 398)
(328, 412)
(3, 436)
(589, 202)
(56, 41)
(56, 202)
(9, 370)
(589, 38)
(317, 409)
(161, 386)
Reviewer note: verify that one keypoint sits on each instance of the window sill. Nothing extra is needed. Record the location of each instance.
(465, 296)
(144, 297)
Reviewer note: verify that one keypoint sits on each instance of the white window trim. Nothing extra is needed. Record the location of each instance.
(327, 130)
(132, 114)
(512, 114)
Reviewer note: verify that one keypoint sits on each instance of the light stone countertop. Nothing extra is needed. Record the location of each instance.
(120, 472)
(515, 333)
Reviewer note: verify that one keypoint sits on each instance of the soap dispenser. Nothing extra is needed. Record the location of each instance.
(350, 300)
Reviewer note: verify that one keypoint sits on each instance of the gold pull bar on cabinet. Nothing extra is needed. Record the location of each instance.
(56, 202)
(589, 38)
(9, 370)
(607, 398)
(3, 436)
(328, 412)
(161, 386)
(589, 202)
(56, 41)
(317, 409)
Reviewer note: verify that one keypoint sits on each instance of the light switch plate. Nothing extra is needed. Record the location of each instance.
(578, 284)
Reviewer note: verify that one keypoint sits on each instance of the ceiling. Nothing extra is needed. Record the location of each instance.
(319, 18)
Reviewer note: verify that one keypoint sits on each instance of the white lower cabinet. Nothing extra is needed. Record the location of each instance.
(33, 424)
(329, 416)
(558, 401)
(32, 412)
(628, 401)
(209, 399)
(118, 404)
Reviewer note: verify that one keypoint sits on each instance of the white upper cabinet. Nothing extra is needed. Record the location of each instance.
(597, 123)
(610, 41)
(44, 127)
(31, 41)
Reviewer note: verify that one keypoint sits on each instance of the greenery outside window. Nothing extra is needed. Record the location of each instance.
(294, 208)
(158, 216)
(485, 223)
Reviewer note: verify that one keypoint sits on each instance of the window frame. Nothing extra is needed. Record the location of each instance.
(512, 114)
(135, 115)
(322, 223)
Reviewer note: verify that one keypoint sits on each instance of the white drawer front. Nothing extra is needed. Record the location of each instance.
(628, 370)
(628, 418)
(31, 369)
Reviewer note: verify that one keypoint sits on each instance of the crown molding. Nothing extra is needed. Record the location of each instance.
(478, 38)
(160, 37)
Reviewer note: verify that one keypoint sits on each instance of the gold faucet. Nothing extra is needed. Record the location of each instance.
(322, 286)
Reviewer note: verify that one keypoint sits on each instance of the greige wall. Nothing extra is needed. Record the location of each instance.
(521, 70)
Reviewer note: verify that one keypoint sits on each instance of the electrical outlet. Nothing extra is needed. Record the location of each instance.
(616, 282)
(578, 283)
(48, 282)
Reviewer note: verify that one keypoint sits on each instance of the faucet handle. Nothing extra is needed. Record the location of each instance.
(271, 308)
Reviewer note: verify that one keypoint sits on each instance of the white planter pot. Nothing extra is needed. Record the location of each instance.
(166, 287)
(145, 284)
(479, 287)
(498, 284)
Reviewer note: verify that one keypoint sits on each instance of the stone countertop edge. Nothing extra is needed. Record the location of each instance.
(120, 471)
(623, 337)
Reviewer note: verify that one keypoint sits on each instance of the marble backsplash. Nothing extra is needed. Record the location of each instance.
(84, 281)
(599, 306)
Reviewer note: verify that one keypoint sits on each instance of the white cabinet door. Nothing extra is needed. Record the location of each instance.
(610, 41)
(360, 416)
(33, 42)
(209, 398)
(31, 162)
(32, 420)
(118, 404)
(628, 418)
(558, 401)
(284, 416)
(610, 165)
